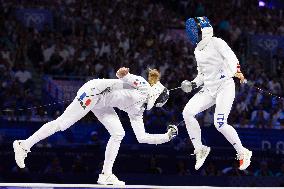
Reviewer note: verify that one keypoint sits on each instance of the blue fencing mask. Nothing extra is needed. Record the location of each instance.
(193, 28)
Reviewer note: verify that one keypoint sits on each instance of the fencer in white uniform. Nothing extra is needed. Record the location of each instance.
(216, 65)
(130, 93)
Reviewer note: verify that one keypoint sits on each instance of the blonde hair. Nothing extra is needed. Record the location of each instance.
(153, 76)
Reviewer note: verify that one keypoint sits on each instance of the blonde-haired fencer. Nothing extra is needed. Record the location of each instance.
(130, 93)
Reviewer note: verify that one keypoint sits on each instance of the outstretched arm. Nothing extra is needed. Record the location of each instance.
(143, 137)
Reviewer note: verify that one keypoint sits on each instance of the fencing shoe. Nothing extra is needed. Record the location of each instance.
(20, 153)
(244, 158)
(110, 179)
(201, 155)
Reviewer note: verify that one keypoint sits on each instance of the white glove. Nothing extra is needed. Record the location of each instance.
(187, 86)
(172, 131)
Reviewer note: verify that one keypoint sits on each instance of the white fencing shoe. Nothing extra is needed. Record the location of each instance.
(201, 156)
(20, 153)
(244, 158)
(109, 180)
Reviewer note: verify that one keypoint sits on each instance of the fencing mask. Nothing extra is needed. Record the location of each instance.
(158, 96)
(193, 28)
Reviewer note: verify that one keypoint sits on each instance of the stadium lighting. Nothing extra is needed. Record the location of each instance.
(261, 3)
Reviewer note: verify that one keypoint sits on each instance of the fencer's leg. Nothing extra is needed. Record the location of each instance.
(72, 114)
(78, 108)
(198, 103)
(143, 137)
(45, 131)
(224, 102)
(109, 118)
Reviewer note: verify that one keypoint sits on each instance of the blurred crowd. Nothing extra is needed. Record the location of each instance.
(94, 38)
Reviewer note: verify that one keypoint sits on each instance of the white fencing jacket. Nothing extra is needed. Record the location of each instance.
(216, 62)
(129, 93)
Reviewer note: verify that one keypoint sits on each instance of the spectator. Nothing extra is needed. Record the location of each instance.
(85, 41)
(210, 170)
(264, 170)
(281, 121)
(79, 166)
(281, 172)
(53, 167)
(182, 169)
(23, 76)
(260, 117)
(153, 168)
(274, 86)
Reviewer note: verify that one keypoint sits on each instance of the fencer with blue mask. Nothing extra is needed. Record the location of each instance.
(217, 64)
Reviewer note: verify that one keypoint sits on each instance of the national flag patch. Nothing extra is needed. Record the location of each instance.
(84, 100)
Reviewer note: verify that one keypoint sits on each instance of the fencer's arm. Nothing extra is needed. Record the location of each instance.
(137, 124)
(143, 137)
(138, 127)
(231, 60)
(133, 80)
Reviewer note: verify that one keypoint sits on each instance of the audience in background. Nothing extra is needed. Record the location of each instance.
(234, 170)
(86, 41)
(264, 170)
(210, 170)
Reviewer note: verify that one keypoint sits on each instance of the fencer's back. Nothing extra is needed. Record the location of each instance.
(119, 94)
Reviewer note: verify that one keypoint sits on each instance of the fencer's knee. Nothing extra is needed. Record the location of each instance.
(188, 113)
(118, 136)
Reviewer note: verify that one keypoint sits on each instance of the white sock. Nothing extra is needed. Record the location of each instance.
(194, 131)
(45, 131)
(111, 153)
(232, 136)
